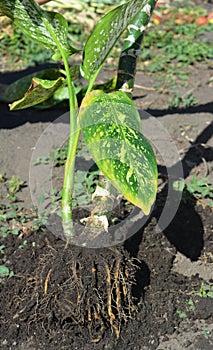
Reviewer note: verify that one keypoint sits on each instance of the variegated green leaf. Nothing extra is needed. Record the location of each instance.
(16, 90)
(48, 28)
(138, 25)
(106, 33)
(39, 91)
(111, 128)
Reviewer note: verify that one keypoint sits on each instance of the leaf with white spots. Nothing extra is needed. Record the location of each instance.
(39, 91)
(17, 89)
(111, 128)
(106, 33)
(136, 28)
(48, 28)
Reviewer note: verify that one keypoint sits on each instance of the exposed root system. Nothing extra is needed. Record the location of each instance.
(81, 288)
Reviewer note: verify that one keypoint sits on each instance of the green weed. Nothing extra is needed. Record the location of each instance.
(5, 272)
(181, 101)
(196, 188)
(181, 314)
(189, 306)
(41, 160)
(19, 49)
(11, 186)
(205, 291)
(14, 184)
(169, 49)
(200, 187)
(175, 43)
(59, 156)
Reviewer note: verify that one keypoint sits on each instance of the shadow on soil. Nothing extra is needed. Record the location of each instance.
(197, 153)
(202, 108)
(185, 232)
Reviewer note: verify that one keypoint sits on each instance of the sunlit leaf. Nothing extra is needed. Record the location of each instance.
(138, 25)
(4, 271)
(39, 91)
(16, 90)
(106, 33)
(48, 28)
(111, 128)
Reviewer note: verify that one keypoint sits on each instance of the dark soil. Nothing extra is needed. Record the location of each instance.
(72, 298)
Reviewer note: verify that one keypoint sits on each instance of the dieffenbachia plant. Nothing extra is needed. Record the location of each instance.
(109, 122)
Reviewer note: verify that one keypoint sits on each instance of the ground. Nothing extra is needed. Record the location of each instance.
(159, 283)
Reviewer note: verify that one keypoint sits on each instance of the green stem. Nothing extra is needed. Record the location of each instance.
(72, 144)
(71, 154)
(92, 80)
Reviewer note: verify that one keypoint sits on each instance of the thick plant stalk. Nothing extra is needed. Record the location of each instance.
(131, 48)
(68, 184)
(71, 154)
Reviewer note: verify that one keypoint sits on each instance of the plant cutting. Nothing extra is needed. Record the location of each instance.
(109, 121)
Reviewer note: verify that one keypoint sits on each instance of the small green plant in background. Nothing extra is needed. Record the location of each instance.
(181, 314)
(189, 305)
(176, 42)
(198, 188)
(169, 49)
(181, 101)
(5, 272)
(12, 186)
(16, 220)
(58, 156)
(20, 49)
(205, 291)
(109, 121)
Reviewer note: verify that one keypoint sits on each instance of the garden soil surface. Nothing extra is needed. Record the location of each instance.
(139, 295)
